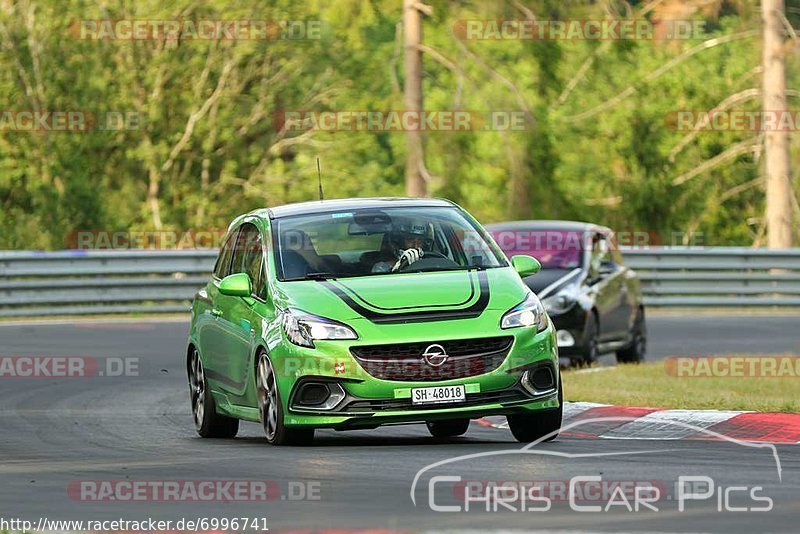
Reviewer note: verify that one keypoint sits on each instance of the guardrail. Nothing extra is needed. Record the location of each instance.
(718, 276)
(92, 282)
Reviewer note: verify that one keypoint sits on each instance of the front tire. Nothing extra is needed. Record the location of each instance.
(270, 409)
(448, 429)
(590, 349)
(535, 426)
(637, 350)
(207, 422)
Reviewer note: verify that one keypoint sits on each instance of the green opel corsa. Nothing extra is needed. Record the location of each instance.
(355, 313)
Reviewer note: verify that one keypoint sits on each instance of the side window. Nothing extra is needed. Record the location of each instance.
(249, 258)
(601, 255)
(222, 267)
(614, 255)
(440, 241)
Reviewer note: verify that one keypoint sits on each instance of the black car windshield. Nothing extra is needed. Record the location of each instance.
(383, 241)
(555, 249)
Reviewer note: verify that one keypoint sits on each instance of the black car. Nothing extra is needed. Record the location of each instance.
(593, 299)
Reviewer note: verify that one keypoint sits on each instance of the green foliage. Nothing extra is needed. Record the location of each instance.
(206, 147)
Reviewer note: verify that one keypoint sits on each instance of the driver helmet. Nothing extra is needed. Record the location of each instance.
(406, 229)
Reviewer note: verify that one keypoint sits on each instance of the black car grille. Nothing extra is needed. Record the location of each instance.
(476, 399)
(405, 362)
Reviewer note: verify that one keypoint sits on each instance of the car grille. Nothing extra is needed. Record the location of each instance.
(405, 362)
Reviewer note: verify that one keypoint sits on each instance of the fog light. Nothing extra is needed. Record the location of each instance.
(539, 381)
(318, 396)
(565, 339)
(542, 378)
(312, 394)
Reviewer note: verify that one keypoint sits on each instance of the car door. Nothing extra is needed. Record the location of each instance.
(236, 316)
(210, 330)
(619, 285)
(262, 311)
(630, 292)
(607, 286)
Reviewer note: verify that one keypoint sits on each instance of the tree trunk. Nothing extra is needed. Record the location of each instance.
(153, 189)
(776, 143)
(412, 36)
(519, 199)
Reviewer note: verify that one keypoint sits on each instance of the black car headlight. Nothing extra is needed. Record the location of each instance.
(529, 313)
(303, 328)
(559, 303)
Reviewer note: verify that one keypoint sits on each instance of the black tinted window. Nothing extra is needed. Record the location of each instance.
(248, 258)
(601, 255)
(222, 267)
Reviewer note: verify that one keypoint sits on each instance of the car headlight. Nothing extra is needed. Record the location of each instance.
(559, 303)
(303, 328)
(529, 312)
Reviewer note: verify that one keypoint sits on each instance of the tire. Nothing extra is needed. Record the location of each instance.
(637, 350)
(207, 422)
(589, 351)
(535, 426)
(448, 429)
(270, 409)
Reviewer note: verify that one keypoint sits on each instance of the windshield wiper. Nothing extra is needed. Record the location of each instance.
(448, 269)
(313, 276)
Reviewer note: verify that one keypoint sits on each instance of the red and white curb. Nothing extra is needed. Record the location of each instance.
(657, 423)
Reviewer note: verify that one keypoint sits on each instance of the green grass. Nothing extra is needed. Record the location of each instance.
(650, 385)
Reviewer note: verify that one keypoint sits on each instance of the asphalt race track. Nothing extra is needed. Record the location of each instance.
(56, 432)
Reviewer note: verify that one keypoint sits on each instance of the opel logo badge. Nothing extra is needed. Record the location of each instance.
(435, 355)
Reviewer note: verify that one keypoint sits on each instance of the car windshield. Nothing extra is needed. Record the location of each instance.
(373, 241)
(555, 249)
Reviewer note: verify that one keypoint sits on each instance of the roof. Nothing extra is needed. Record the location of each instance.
(545, 225)
(344, 204)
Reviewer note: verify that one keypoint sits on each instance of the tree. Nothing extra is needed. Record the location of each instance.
(412, 37)
(776, 142)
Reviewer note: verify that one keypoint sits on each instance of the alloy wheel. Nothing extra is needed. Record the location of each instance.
(267, 397)
(197, 385)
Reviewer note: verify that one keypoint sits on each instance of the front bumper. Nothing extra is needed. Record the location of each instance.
(376, 419)
(570, 326)
(370, 402)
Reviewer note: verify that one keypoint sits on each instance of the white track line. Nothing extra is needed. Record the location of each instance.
(658, 425)
(574, 409)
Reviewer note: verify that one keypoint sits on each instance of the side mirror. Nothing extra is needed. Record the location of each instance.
(236, 285)
(606, 268)
(525, 265)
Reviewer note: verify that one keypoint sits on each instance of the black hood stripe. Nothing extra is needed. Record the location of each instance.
(351, 292)
(416, 316)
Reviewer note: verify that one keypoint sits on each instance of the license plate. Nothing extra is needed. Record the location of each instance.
(438, 394)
